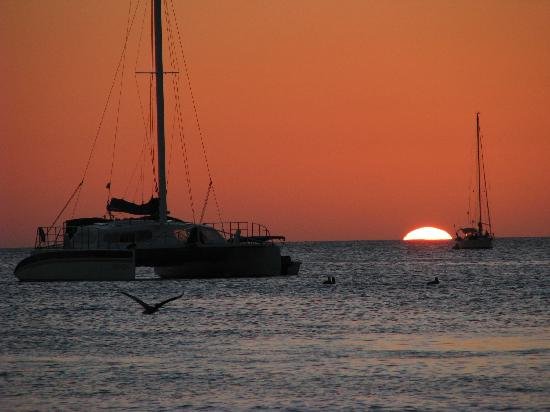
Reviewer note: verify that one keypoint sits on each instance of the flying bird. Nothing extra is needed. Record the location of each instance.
(150, 309)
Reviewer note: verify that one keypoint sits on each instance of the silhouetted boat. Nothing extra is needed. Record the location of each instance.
(480, 236)
(175, 248)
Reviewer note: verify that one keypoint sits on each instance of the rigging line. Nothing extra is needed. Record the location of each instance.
(146, 137)
(109, 184)
(139, 179)
(154, 183)
(138, 162)
(67, 203)
(485, 184)
(146, 144)
(77, 191)
(152, 118)
(141, 30)
(79, 188)
(178, 110)
(139, 184)
(188, 76)
(142, 111)
(471, 180)
(168, 172)
(147, 122)
(142, 186)
(131, 23)
(184, 151)
(136, 189)
(469, 206)
(171, 150)
(477, 182)
(116, 128)
(142, 179)
(217, 204)
(205, 202)
(183, 145)
(195, 111)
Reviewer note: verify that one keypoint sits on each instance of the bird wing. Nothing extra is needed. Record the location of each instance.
(158, 305)
(142, 303)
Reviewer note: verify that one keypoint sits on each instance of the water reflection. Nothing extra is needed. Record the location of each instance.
(378, 338)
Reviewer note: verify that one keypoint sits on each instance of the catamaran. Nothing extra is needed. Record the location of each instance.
(109, 248)
(480, 234)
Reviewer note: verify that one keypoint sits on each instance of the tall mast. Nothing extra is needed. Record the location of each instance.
(479, 224)
(157, 17)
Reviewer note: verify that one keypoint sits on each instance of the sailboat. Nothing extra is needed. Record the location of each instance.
(94, 248)
(481, 235)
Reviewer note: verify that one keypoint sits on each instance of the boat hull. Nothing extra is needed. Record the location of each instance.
(474, 243)
(77, 265)
(289, 267)
(221, 262)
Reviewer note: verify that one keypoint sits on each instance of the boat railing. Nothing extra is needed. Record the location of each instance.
(246, 231)
(49, 237)
(58, 237)
(64, 237)
(90, 237)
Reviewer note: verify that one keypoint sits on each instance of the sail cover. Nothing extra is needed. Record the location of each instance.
(150, 208)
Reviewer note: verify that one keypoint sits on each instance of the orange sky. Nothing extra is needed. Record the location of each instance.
(323, 119)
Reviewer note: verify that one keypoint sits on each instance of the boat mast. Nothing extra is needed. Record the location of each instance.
(479, 224)
(157, 17)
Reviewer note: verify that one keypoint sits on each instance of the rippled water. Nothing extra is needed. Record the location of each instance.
(379, 338)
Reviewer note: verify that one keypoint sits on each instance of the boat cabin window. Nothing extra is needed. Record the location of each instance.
(204, 235)
(128, 237)
(181, 234)
(211, 236)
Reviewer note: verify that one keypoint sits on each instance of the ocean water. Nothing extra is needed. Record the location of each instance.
(379, 339)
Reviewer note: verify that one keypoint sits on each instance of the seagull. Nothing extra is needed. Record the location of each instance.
(434, 282)
(150, 309)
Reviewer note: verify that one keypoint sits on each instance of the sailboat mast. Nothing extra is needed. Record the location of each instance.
(159, 72)
(479, 224)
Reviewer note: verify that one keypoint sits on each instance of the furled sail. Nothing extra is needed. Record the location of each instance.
(151, 208)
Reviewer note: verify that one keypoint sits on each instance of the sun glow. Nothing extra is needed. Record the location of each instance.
(427, 233)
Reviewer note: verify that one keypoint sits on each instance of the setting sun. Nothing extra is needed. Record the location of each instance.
(427, 233)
